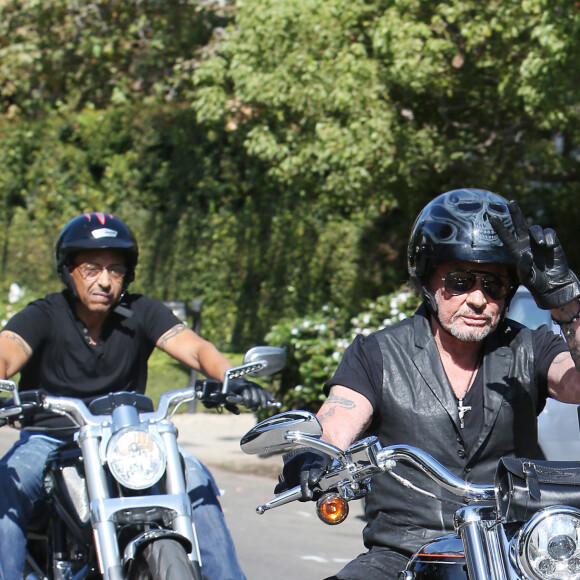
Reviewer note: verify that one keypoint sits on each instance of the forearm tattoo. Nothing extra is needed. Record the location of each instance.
(19, 341)
(570, 336)
(177, 329)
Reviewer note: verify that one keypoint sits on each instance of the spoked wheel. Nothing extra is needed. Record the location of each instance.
(165, 560)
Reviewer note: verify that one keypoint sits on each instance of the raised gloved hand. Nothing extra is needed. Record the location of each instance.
(305, 468)
(253, 396)
(539, 259)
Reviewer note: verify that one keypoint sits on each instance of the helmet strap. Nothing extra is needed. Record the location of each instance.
(430, 301)
(120, 309)
(67, 278)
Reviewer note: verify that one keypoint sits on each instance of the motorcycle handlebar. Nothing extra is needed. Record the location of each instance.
(80, 413)
(388, 456)
(345, 478)
(214, 392)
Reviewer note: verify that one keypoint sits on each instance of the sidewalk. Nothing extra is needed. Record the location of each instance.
(214, 438)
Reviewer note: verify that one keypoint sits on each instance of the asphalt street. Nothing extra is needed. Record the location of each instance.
(289, 542)
(286, 543)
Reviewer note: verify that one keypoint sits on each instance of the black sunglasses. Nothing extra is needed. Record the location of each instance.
(458, 282)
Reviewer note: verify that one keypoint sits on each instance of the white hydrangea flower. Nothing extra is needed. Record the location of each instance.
(15, 293)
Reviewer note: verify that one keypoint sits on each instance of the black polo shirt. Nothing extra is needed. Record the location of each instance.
(63, 362)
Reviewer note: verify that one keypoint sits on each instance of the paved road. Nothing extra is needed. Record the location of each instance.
(286, 543)
(289, 542)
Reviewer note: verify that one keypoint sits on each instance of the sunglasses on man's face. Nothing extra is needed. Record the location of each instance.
(459, 282)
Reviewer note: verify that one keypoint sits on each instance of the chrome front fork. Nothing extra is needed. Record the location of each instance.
(485, 544)
(104, 509)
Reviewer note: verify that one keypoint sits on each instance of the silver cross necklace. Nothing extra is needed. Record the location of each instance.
(461, 408)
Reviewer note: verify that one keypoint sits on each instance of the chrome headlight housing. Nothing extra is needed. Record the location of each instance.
(136, 458)
(548, 546)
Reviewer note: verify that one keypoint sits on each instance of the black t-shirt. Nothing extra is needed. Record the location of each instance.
(63, 362)
(361, 369)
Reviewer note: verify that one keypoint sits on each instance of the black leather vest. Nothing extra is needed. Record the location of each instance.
(419, 408)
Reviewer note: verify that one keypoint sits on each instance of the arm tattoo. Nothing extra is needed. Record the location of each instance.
(342, 401)
(570, 336)
(560, 358)
(177, 329)
(327, 410)
(19, 341)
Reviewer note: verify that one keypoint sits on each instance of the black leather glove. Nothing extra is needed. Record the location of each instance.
(254, 397)
(306, 468)
(539, 259)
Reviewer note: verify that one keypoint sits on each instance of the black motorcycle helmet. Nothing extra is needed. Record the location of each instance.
(95, 231)
(455, 226)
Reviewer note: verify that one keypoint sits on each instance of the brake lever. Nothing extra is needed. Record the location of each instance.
(11, 411)
(285, 497)
(26, 404)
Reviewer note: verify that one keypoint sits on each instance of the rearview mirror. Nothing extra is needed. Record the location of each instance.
(8, 386)
(272, 357)
(269, 435)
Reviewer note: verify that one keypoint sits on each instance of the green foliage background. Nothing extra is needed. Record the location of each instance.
(271, 155)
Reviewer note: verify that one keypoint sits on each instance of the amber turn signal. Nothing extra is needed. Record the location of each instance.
(332, 509)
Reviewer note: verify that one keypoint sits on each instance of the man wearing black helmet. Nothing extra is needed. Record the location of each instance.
(458, 379)
(91, 339)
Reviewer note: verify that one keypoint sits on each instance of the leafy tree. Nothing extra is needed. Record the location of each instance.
(318, 130)
(385, 104)
(71, 55)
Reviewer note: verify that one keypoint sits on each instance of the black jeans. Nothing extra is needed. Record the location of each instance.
(379, 563)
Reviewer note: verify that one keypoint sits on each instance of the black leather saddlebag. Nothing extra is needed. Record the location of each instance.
(525, 486)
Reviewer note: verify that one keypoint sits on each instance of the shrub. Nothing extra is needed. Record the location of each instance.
(315, 344)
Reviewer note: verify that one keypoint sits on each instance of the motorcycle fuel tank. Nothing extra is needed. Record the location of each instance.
(441, 559)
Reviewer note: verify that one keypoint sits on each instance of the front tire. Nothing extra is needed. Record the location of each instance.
(165, 560)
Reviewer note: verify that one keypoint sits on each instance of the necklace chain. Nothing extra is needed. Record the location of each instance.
(461, 408)
(469, 382)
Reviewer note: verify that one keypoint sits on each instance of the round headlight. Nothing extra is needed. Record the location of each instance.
(549, 544)
(136, 458)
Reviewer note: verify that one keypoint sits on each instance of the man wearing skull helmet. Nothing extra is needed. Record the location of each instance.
(458, 379)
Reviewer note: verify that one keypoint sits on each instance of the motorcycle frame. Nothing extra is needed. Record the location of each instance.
(92, 437)
(107, 512)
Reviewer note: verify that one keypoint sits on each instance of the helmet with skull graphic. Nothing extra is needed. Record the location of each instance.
(455, 226)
